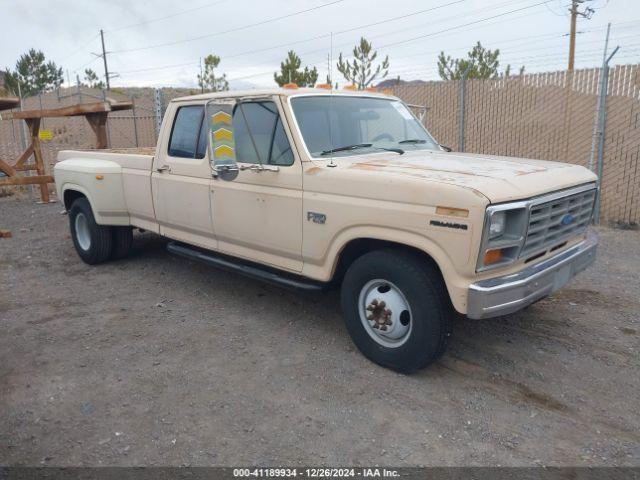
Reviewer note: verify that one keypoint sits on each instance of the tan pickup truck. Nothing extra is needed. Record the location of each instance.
(310, 188)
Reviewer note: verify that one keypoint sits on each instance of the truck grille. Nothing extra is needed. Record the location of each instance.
(553, 221)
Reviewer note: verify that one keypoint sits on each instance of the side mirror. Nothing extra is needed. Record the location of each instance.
(445, 148)
(222, 150)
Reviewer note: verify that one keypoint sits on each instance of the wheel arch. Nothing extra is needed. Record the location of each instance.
(100, 204)
(357, 247)
(352, 244)
(71, 192)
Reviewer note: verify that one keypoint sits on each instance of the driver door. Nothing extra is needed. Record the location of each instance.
(258, 215)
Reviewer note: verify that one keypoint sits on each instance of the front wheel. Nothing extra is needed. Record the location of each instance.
(93, 242)
(396, 309)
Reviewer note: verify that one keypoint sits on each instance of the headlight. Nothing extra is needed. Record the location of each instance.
(503, 235)
(497, 224)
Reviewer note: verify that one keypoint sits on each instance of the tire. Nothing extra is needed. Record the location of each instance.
(93, 242)
(409, 285)
(122, 242)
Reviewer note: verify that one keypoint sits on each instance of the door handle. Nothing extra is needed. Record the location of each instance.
(163, 168)
(260, 168)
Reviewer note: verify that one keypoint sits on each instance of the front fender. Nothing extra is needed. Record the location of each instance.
(456, 284)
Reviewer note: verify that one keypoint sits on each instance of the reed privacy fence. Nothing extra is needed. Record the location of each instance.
(549, 116)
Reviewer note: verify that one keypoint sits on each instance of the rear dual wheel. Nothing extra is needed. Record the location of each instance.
(96, 243)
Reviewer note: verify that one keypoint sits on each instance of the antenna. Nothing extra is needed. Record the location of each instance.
(331, 162)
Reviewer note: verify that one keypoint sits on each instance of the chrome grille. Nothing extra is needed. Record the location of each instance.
(551, 222)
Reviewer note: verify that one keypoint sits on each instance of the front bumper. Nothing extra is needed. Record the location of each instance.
(503, 295)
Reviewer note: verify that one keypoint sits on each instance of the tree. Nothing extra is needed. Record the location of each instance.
(92, 79)
(33, 74)
(208, 80)
(483, 64)
(361, 71)
(507, 71)
(290, 73)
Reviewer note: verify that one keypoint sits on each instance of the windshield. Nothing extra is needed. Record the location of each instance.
(330, 123)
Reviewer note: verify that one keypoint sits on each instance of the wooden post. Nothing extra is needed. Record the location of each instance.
(34, 129)
(98, 122)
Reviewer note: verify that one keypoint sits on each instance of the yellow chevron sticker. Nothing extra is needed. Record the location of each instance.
(223, 151)
(221, 117)
(222, 134)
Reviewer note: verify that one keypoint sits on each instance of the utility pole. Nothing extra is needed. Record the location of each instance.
(329, 79)
(587, 13)
(104, 59)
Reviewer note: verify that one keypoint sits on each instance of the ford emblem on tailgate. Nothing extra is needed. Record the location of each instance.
(567, 219)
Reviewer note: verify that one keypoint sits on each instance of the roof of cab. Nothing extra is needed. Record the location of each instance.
(280, 91)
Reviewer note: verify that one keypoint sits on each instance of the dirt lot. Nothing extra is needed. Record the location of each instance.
(154, 360)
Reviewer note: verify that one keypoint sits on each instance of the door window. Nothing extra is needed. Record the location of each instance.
(188, 135)
(259, 134)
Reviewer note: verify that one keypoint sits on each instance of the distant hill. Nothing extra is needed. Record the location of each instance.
(392, 82)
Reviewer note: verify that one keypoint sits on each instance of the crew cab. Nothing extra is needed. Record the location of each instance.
(313, 188)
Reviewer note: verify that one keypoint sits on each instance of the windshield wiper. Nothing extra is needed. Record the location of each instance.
(396, 150)
(413, 140)
(348, 147)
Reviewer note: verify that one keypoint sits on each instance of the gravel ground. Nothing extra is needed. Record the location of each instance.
(154, 360)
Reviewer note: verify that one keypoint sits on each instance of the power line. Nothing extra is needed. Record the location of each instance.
(419, 37)
(340, 32)
(405, 41)
(454, 28)
(160, 67)
(543, 60)
(86, 64)
(84, 45)
(323, 50)
(146, 22)
(236, 29)
(507, 51)
(555, 13)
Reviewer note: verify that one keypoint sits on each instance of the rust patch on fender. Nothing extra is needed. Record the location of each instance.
(312, 171)
(369, 165)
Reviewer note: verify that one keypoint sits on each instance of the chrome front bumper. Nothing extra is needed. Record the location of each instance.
(503, 295)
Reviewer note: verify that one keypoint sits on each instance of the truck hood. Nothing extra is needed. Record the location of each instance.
(498, 178)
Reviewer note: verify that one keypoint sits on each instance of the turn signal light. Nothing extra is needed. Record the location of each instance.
(326, 86)
(492, 256)
(291, 86)
(350, 87)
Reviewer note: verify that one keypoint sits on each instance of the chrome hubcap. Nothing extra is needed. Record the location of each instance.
(385, 313)
(82, 231)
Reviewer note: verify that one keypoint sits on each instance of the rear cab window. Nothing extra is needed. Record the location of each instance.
(188, 133)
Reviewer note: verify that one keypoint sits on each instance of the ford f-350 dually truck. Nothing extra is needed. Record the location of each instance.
(308, 188)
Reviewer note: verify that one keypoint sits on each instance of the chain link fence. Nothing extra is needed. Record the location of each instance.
(548, 116)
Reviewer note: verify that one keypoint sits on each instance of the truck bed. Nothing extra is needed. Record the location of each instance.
(130, 151)
(116, 181)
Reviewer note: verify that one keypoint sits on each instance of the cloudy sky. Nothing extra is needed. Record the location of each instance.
(161, 42)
